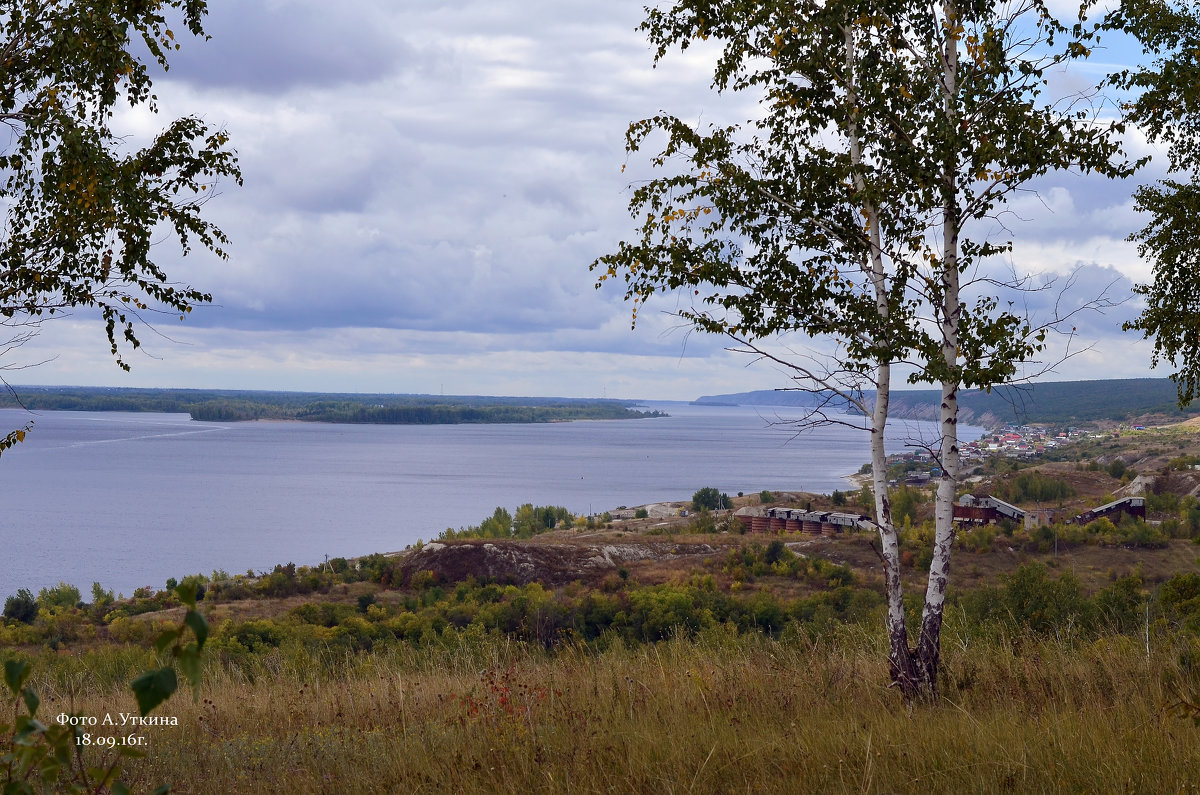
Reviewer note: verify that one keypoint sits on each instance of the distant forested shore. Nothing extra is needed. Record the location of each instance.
(241, 405)
(1065, 402)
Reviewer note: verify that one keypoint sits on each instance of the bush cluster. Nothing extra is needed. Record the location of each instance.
(1032, 486)
(710, 499)
(746, 564)
(534, 614)
(528, 521)
(1031, 599)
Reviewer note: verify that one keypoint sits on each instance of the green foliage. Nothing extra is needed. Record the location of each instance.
(102, 600)
(551, 619)
(641, 513)
(48, 756)
(1129, 532)
(765, 497)
(703, 521)
(865, 499)
(1190, 517)
(906, 503)
(83, 206)
(710, 499)
(1121, 606)
(528, 522)
(917, 542)
(1179, 600)
(22, 607)
(848, 207)
(1032, 486)
(1164, 502)
(1031, 599)
(1167, 108)
(764, 222)
(747, 563)
(63, 595)
(977, 540)
(1117, 468)
(157, 685)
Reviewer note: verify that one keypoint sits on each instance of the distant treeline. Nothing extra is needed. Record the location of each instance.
(1057, 402)
(236, 405)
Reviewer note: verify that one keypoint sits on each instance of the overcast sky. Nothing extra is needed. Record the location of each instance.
(425, 186)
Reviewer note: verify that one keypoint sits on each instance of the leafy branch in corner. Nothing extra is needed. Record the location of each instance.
(41, 757)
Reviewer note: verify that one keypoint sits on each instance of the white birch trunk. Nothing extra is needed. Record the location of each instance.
(900, 655)
(928, 647)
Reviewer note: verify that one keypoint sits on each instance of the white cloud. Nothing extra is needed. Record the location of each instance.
(426, 185)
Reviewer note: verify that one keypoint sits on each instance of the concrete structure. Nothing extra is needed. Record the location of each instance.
(1039, 516)
(1132, 506)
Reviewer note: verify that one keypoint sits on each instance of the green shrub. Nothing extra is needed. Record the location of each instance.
(1031, 599)
(197, 582)
(710, 499)
(1184, 462)
(978, 539)
(641, 513)
(423, 579)
(23, 607)
(905, 502)
(1164, 502)
(1141, 535)
(529, 520)
(1179, 600)
(866, 500)
(1121, 606)
(1032, 486)
(63, 595)
(705, 522)
(254, 636)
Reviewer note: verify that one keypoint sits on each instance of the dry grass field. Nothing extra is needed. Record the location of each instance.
(715, 714)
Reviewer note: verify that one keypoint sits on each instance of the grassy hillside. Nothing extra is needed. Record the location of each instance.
(711, 714)
(720, 683)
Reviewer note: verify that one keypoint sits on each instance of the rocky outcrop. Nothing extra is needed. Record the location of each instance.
(518, 562)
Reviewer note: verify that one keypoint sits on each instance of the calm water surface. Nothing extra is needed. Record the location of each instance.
(132, 499)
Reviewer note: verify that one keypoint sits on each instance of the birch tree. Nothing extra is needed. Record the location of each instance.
(859, 210)
(86, 213)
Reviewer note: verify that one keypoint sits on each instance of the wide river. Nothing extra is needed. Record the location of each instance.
(133, 499)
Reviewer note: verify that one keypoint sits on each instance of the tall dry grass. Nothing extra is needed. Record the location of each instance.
(715, 714)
